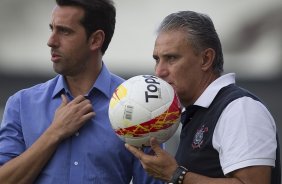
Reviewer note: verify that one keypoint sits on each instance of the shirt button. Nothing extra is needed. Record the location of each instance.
(77, 134)
(75, 163)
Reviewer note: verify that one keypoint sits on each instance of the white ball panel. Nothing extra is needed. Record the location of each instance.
(127, 114)
(132, 109)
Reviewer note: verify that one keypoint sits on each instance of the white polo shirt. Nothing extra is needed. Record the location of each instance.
(245, 134)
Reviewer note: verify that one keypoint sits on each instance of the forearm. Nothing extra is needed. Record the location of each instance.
(193, 178)
(25, 168)
(247, 175)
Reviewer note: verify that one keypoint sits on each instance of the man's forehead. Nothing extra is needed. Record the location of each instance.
(66, 14)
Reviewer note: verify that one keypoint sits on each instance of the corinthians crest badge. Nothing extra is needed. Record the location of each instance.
(199, 137)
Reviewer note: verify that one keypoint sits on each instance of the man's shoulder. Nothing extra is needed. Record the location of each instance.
(116, 80)
(38, 88)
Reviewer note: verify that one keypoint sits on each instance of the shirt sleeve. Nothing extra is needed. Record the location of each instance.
(245, 135)
(11, 137)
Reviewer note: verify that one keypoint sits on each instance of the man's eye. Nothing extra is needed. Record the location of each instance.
(50, 28)
(171, 59)
(156, 59)
(65, 31)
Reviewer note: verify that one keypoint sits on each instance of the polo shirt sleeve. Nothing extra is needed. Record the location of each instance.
(245, 135)
(11, 137)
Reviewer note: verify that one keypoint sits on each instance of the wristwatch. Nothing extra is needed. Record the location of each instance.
(178, 175)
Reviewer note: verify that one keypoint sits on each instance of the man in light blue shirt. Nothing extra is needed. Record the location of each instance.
(58, 132)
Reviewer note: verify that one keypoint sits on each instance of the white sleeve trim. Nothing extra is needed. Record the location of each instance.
(247, 163)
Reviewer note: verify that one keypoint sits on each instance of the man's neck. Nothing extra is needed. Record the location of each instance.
(82, 84)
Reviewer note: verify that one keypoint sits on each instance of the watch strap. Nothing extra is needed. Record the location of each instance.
(178, 175)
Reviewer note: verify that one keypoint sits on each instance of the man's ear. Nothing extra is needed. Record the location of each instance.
(96, 40)
(208, 56)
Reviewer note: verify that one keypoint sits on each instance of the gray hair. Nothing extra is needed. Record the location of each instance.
(200, 30)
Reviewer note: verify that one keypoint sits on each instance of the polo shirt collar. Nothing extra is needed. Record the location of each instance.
(209, 94)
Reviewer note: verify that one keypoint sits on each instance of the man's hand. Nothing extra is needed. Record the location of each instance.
(70, 116)
(160, 165)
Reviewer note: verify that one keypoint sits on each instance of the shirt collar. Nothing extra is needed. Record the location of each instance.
(59, 88)
(209, 94)
(102, 83)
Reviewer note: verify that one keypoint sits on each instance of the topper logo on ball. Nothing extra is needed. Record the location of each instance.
(152, 87)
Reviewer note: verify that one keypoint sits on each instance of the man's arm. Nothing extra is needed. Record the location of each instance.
(69, 117)
(26, 167)
(248, 175)
(162, 166)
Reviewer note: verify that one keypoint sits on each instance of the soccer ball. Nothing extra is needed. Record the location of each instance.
(142, 107)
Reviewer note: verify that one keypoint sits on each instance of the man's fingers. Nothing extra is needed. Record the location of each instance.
(88, 116)
(155, 145)
(79, 106)
(64, 100)
(136, 152)
(78, 99)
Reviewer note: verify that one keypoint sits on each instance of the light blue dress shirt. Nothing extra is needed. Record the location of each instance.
(93, 155)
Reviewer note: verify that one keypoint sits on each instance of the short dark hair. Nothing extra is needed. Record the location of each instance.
(99, 15)
(200, 33)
